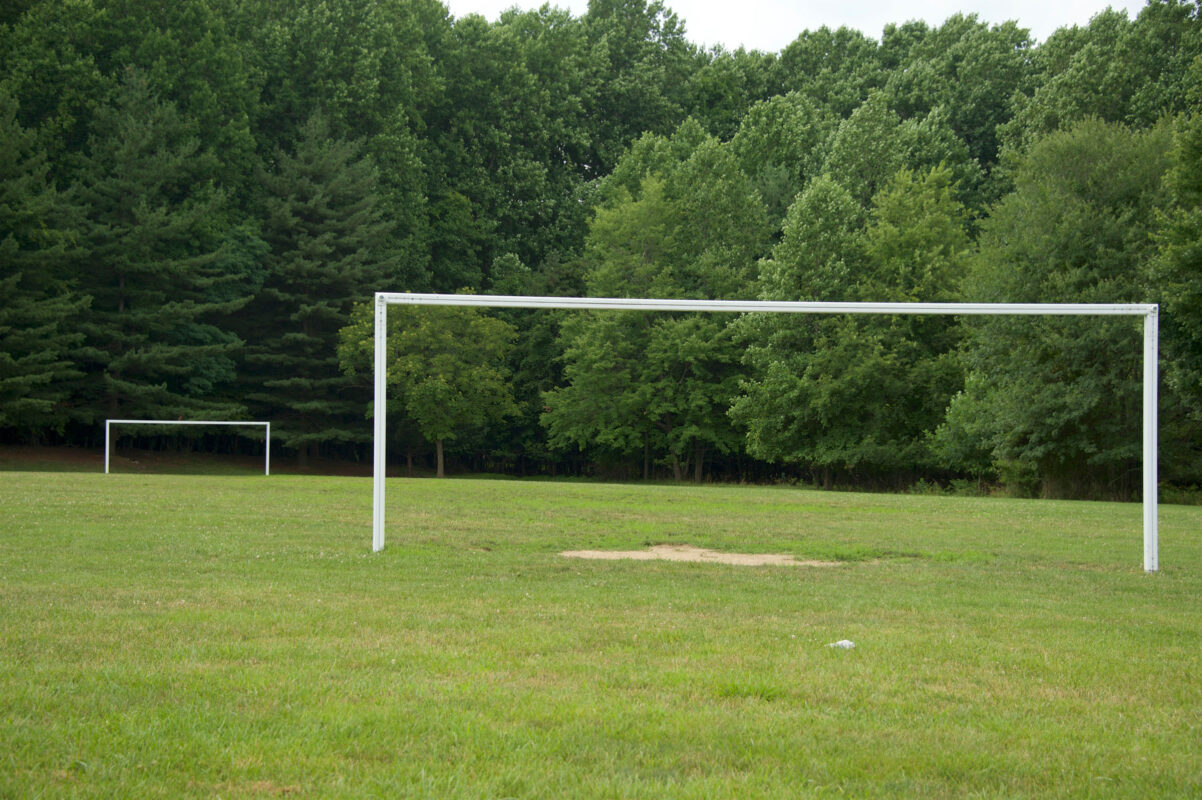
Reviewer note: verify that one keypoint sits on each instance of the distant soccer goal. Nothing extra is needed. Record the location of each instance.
(109, 423)
(1150, 313)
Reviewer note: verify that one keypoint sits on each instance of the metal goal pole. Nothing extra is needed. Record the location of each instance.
(1151, 427)
(379, 408)
(108, 427)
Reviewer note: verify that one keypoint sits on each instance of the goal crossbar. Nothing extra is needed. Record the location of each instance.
(1149, 312)
(109, 423)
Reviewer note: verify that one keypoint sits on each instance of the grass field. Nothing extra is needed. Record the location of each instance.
(233, 636)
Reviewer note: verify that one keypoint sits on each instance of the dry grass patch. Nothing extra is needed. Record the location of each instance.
(684, 552)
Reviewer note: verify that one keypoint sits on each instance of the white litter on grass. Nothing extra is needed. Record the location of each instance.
(843, 644)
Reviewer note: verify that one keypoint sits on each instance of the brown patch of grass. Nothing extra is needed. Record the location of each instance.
(684, 552)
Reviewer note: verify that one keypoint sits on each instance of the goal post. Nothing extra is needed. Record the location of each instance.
(1149, 312)
(109, 423)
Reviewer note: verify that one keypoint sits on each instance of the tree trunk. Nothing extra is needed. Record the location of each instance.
(409, 462)
(438, 457)
(698, 462)
(676, 475)
(646, 456)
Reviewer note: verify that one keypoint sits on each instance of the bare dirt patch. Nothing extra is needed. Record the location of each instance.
(684, 552)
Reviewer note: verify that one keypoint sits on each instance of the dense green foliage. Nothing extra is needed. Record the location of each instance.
(446, 365)
(857, 393)
(1062, 395)
(195, 196)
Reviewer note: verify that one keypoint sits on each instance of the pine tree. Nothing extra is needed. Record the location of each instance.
(157, 265)
(38, 342)
(327, 239)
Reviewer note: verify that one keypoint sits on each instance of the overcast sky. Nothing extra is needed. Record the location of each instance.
(771, 24)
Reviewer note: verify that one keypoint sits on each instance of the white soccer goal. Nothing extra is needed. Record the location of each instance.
(109, 423)
(1149, 312)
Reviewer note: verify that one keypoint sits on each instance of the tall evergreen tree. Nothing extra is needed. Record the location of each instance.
(190, 55)
(157, 263)
(374, 70)
(50, 62)
(323, 224)
(38, 338)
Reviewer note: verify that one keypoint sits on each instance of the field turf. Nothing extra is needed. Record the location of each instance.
(233, 636)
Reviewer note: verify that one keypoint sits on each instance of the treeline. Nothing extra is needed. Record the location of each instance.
(197, 198)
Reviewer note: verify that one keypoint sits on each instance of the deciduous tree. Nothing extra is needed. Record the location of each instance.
(1059, 398)
(854, 394)
(446, 366)
(693, 227)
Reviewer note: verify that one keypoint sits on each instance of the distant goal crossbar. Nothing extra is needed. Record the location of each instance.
(109, 423)
(1149, 312)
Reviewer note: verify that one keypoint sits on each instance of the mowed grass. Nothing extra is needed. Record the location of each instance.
(175, 636)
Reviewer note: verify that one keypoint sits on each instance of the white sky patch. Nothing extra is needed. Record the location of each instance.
(770, 25)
